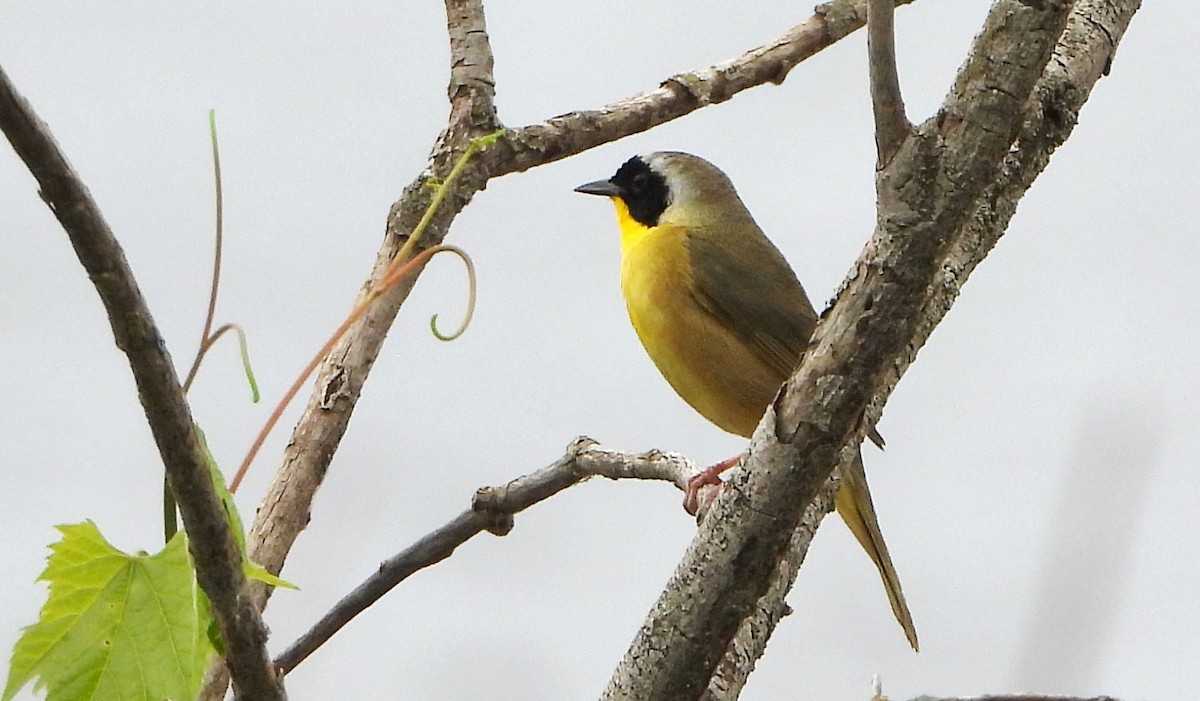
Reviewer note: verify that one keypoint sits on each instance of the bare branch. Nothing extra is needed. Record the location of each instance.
(1082, 56)
(284, 511)
(678, 95)
(891, 126)
(210, 541)
(750, 642)
(492, 509)
(930, 199)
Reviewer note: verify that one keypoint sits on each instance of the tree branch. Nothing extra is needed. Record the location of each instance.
(891, 126)
(678, 95)
(934, 197)
(492, 510)
(210, 541)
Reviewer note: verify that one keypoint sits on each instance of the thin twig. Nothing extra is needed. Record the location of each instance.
(492, 510)
(286, 506)
(214, 552)
(891, 126)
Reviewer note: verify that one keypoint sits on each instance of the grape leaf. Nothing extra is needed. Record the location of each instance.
(115, 626)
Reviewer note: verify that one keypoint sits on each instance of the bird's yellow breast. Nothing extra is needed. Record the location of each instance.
(706, 364)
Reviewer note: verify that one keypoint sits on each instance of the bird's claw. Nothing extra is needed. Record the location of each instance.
(692, 494)
(693, 499)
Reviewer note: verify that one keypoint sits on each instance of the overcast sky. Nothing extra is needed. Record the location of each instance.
(1039, 487)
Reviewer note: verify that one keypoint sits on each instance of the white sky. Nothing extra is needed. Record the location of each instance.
(1039, 484)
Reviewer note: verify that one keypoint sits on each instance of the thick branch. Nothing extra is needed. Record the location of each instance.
(492, 509)
(1082, 56)
(930, 197)
(210, 541)
(750, 642)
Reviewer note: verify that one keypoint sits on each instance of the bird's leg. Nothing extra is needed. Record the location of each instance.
(708, 476)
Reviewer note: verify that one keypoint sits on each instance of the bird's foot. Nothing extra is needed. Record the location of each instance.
(710, 476)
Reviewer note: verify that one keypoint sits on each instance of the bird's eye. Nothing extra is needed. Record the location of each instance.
(641, 183)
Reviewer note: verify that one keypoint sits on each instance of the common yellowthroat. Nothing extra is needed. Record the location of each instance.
(722, 314)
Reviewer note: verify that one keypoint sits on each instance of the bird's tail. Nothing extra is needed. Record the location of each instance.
(855, 507)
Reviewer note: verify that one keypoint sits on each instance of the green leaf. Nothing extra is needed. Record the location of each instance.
(252, 570)
(115, 626)
(218, 479)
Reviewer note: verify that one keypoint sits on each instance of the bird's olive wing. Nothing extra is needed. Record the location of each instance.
(750, 288)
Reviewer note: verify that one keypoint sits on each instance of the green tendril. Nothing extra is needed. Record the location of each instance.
(471, 291)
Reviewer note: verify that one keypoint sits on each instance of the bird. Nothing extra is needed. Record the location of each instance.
(722, 315)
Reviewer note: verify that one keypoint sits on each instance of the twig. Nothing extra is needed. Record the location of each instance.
(218, 562)
(891, 126)
(492, 509)
(284, 511)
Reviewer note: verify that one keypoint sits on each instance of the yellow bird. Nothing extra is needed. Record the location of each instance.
(722, 314)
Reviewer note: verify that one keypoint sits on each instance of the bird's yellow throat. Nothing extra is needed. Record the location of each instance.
(632, 230)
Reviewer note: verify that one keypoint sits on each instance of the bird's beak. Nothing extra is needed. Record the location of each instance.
(600, 187)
